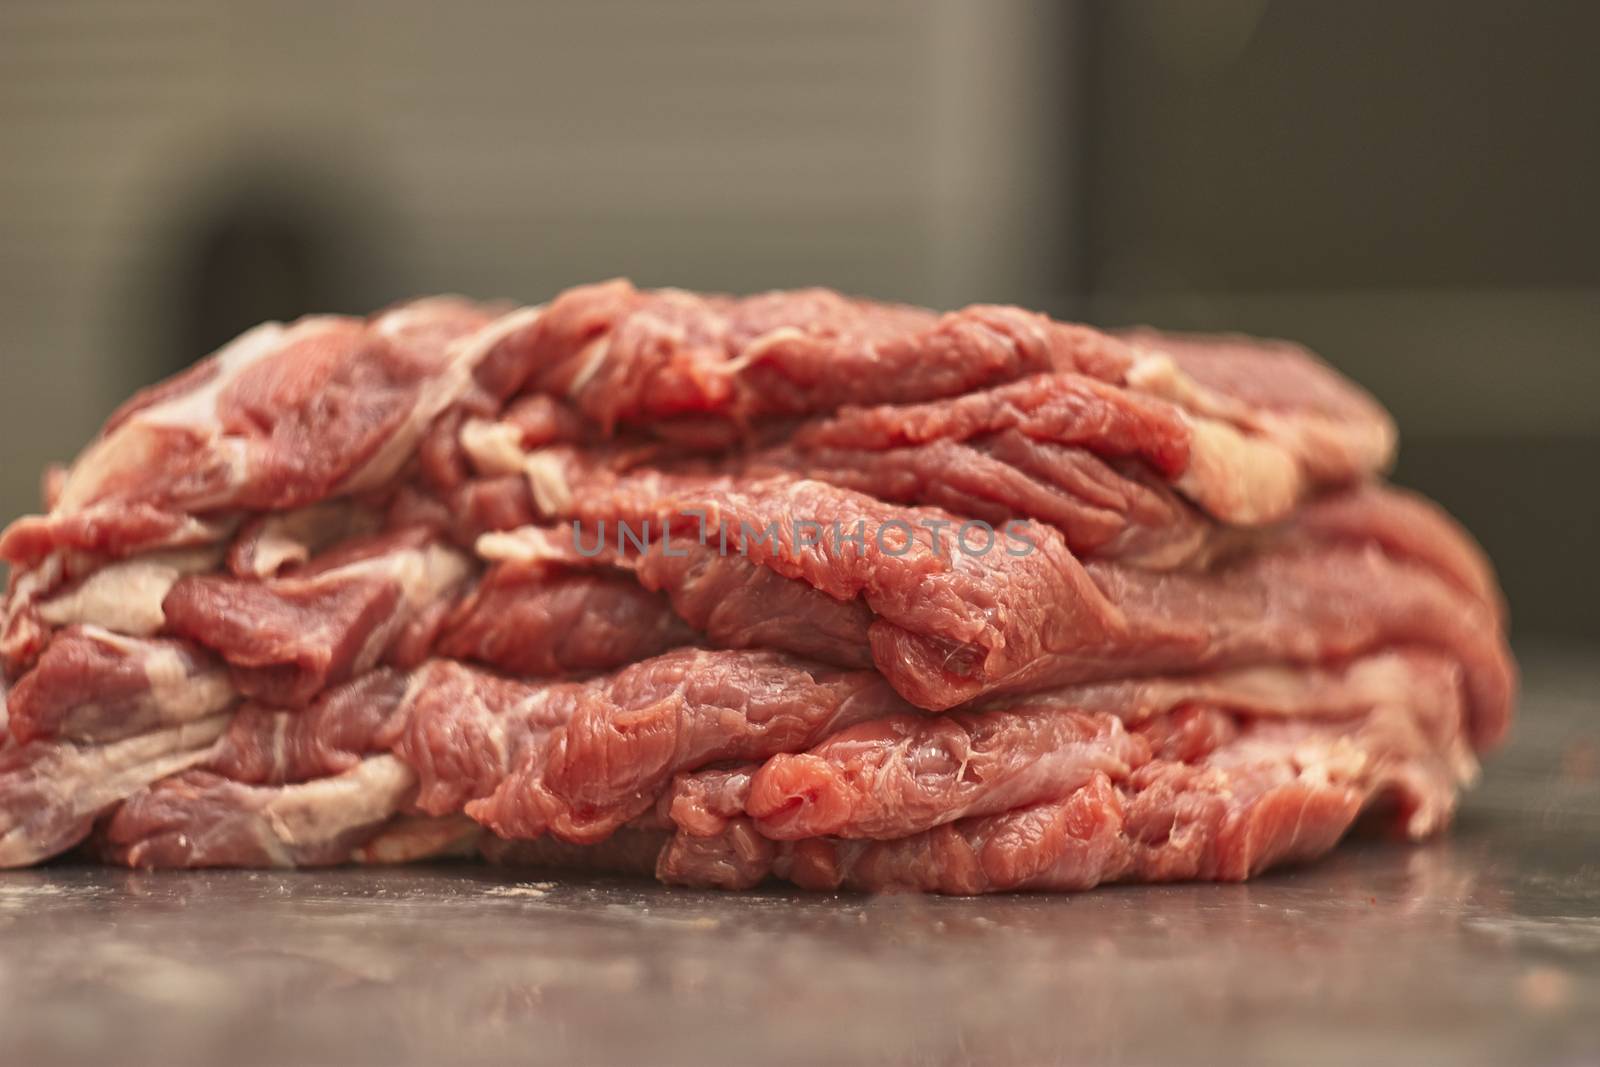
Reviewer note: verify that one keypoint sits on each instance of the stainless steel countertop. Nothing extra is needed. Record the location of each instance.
(1483, 947)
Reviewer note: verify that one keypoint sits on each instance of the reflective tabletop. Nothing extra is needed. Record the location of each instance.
(1483, 947)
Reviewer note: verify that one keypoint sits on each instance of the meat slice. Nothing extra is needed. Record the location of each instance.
(1407, 527)
(281, 540)
(542, 621)
(52, 791)
(1109, 509)
(199, 819)
(1258, 793)
(730, 600)
(1036, 449)
(66, 587)
(287, 638)
(1074, 843)
(704, 369)
(280, 418)
(124, 596)
(1273, 389)
(1066, 409)
(111, 529)
(1235, 477)
(619, 354)
(1114, 510)
(737, 603)
(702, 802)
(345, 724)
(1102, 509)
(464, 729)
(95, 685)
(1313, 607)
(1427, 684)
(951, 625)
(1280, 791)
(902, 774)
(631, 732)
(952, 616)
(899, 775)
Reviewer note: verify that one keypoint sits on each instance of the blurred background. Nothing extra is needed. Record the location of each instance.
(1410, 188)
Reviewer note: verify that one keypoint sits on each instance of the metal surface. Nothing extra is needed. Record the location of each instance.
(1480, 948)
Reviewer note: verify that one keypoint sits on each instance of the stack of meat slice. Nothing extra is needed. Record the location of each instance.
(724, 590)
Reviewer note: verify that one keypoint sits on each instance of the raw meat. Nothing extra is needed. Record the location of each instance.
(1237, 478)
(721, 590)
(902, 774)
(1276, 793)
(466, 728)
(1100, 509)
(199, 819)
(1261, 795)
(280, 418)
(1272, 388)
(288, 638)
(52, 791)
(95, 685)
(629, 735)
(346, 723)
(950, 626)
(540, 621)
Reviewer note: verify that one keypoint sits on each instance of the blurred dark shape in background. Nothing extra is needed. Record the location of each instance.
(1408, 188)
(250, 262)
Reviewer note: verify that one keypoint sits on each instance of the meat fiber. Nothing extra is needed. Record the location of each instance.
(539, 621)
(199, 819)
(95, 685)
(1235, 477)
(1319, 607)
(668, 357)
(1266, 793)
(629, 735)
(51, 792)
(902, 774)
(1274, 389)
(950, 626)
(1101, 508)
(1276, 793)
(280, 418)
(465, 729)
(344, 725)
(724, 590)
(288, 638)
